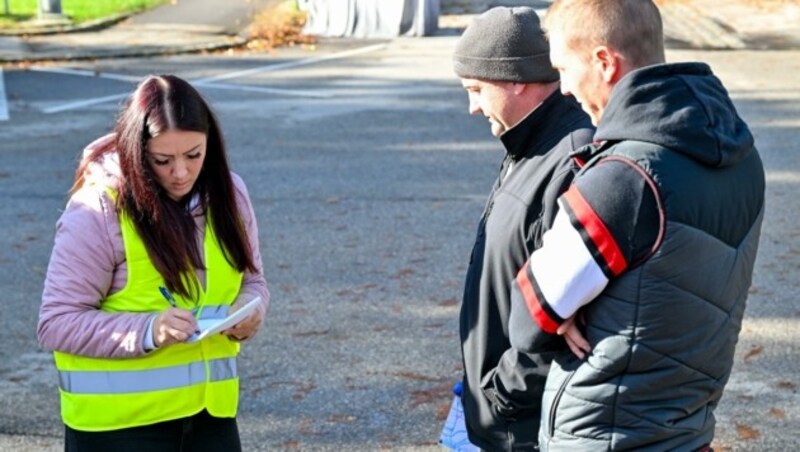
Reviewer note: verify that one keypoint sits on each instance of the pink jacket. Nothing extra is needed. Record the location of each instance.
(88, 263)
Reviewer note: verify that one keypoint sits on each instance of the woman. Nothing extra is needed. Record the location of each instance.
(158, 233)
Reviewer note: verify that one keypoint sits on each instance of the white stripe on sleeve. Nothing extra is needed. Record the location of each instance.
(567, 275)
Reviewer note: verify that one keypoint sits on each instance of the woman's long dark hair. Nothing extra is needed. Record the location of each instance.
(167, 227)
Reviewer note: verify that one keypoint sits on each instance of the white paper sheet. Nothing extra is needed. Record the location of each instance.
(213, 326)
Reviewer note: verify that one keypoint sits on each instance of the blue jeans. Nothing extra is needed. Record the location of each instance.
(199, 433)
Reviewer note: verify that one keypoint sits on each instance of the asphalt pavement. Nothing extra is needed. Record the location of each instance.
(367, 177)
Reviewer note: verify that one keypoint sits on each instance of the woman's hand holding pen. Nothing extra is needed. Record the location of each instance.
(247, 328)
(172, 326)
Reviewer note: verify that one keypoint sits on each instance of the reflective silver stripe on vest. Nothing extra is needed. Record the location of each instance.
(131, 381)
(212, 311)
(222, 369)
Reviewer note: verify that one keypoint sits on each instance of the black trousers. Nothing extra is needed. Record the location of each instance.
(199, 433)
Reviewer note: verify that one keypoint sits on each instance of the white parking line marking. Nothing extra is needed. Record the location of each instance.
(85, 73)
(289, 64)
(201, 84)
(84, 103)
(3, 104)
(260, 89)
(210, 81)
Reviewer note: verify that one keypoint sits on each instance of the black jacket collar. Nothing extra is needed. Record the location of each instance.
(532, 135)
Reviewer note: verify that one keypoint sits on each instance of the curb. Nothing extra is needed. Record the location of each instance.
(92, 25)
(232, 42)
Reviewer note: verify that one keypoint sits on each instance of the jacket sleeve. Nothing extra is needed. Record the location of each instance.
(79, 276)
(609, 219)
(253, 283)
(517, 382)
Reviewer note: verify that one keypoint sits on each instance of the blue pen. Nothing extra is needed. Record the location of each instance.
(168, 296)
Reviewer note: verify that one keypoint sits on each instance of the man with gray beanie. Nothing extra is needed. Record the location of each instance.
(503, 62)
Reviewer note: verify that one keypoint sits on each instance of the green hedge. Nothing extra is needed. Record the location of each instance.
(75, 10)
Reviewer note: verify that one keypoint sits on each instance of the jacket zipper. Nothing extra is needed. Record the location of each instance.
(552, 418)
(490, 203)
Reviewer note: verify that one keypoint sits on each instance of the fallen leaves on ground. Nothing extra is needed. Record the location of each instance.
(341, 418)
(442, 410)
(777, 413)
(280, 25)
(435, 394)
(746, 432)
(306, 427)
(301, 390)
(414, 376)
(310, 333)
(449, 302)
(755, 350)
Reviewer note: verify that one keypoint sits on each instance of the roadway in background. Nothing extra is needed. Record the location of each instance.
(368, 178)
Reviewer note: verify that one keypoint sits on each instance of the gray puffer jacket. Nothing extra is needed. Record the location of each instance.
(663, 333)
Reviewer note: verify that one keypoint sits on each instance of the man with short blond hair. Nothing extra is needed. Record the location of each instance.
(646, 270)
(641, 37)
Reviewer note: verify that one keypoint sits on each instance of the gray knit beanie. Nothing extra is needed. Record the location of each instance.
(505, 44)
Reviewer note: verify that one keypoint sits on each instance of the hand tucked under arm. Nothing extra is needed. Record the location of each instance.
(557, 280)
(575, 340)
(607, 219)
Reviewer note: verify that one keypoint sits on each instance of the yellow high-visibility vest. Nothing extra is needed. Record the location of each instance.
(180, 380)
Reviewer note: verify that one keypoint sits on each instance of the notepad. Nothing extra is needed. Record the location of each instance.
(213, 326)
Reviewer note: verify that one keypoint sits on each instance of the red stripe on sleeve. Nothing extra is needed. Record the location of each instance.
(597, 230)
(544, 321)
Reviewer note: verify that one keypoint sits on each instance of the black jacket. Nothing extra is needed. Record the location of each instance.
(502, 388)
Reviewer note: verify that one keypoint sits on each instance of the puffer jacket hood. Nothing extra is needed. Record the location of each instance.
(679, 106)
